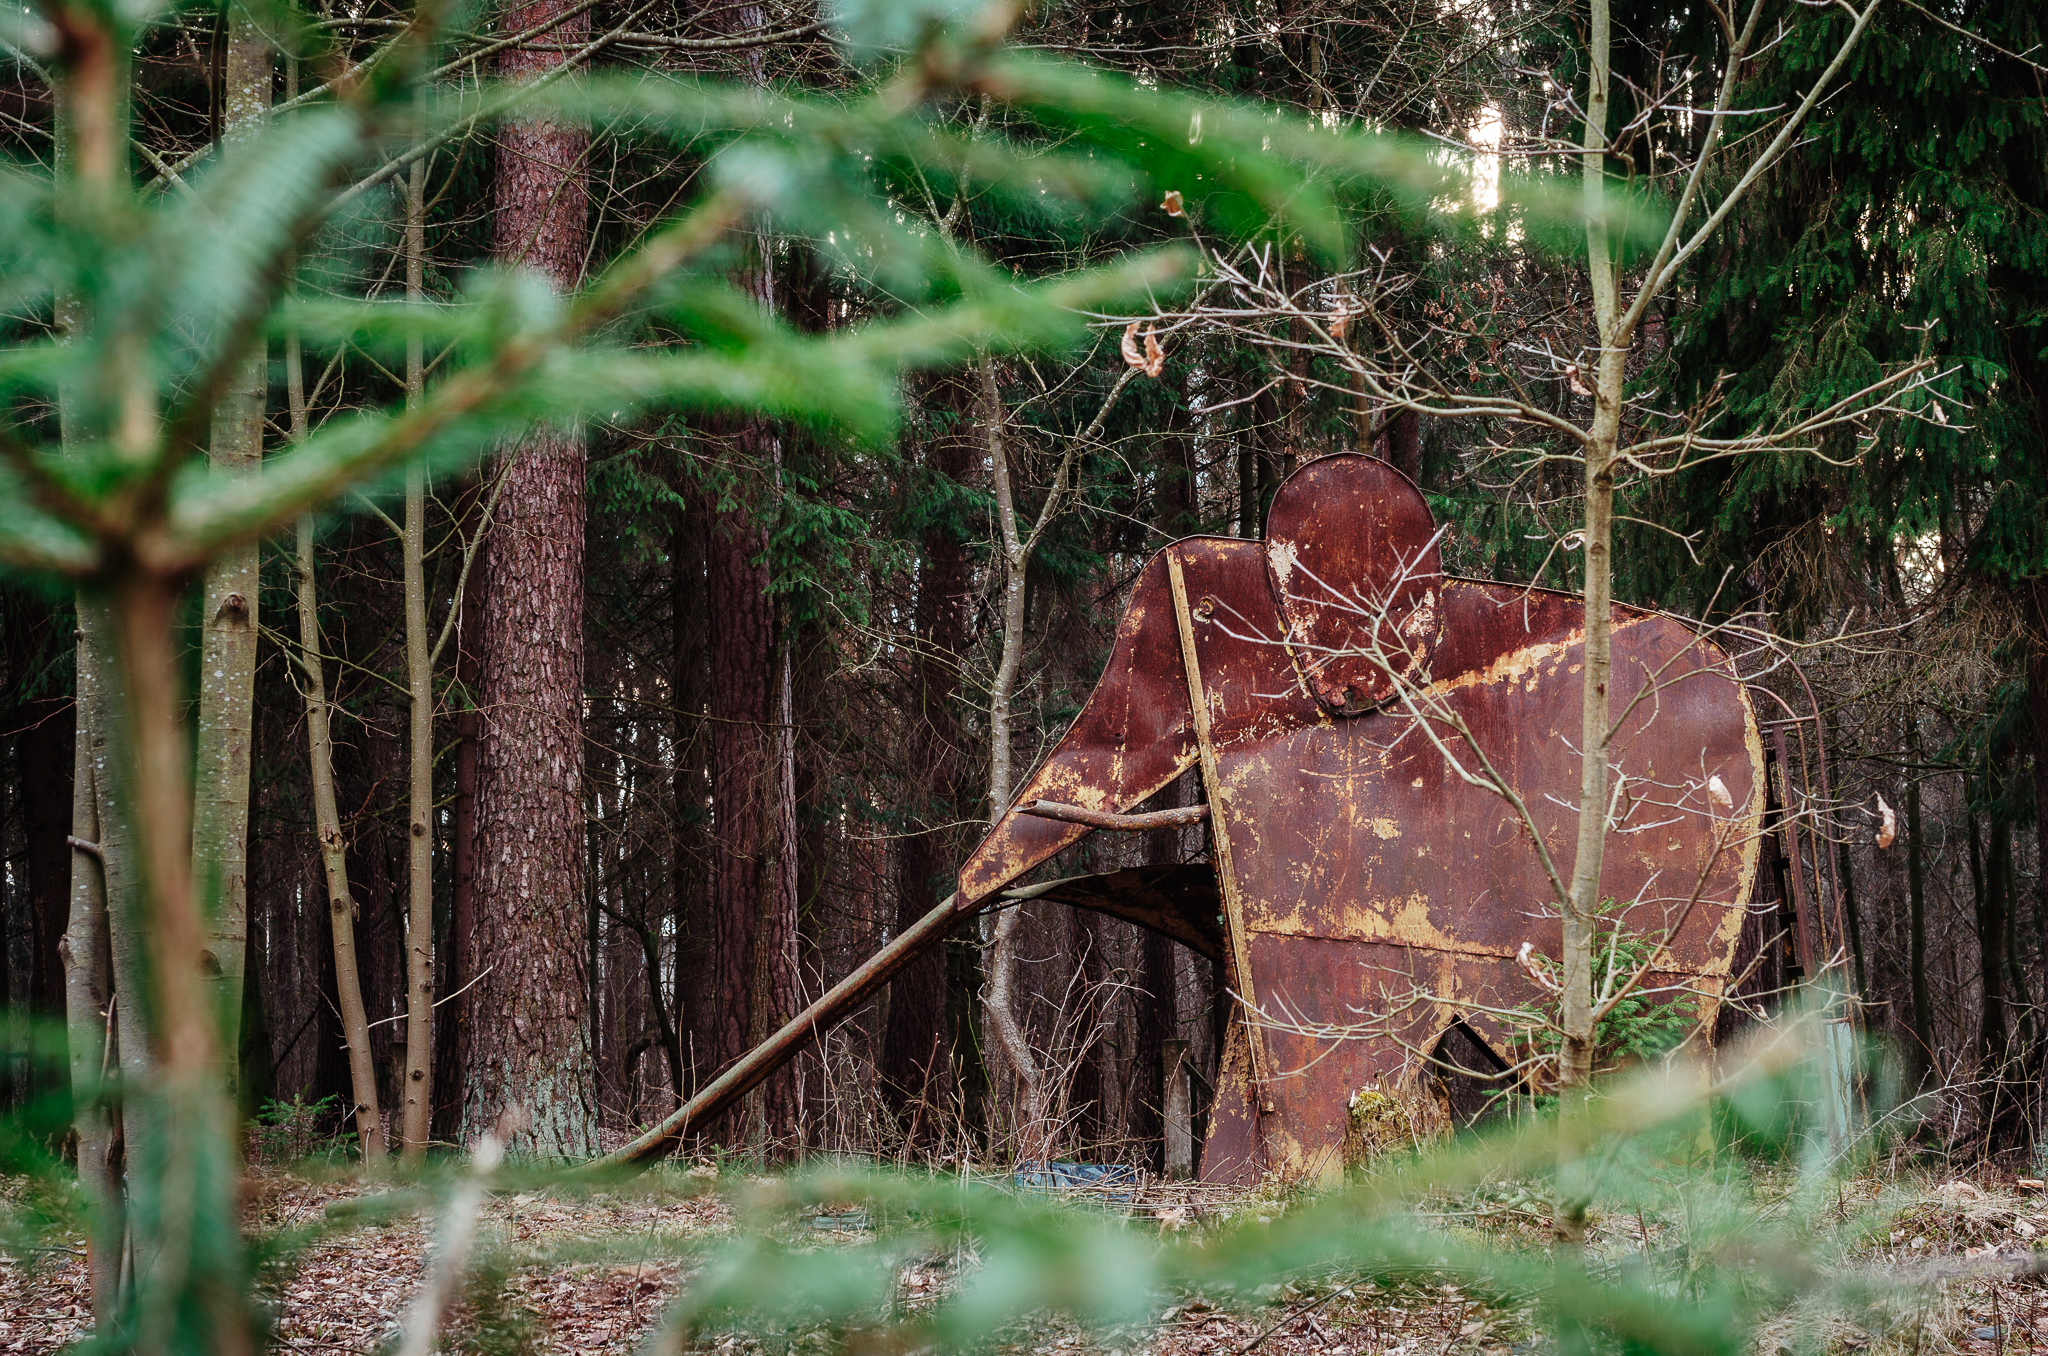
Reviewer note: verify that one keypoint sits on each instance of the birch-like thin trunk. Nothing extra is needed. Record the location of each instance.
(341, 907)
(227, 667)
(419, 666)
(85, 946)
(89, 977)
(1582, 909)
(999, 1003)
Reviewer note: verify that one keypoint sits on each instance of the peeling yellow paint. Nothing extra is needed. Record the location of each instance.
(1282, 554)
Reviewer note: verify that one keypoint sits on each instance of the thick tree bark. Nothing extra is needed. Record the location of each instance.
(529, 1039)
(695, 945)
(916, 1057)
(453, 1020)
(228, 620)
(753, 890)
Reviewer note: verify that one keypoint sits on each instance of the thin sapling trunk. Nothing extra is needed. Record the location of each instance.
(419, 664)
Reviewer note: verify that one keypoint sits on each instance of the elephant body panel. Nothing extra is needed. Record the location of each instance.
(1385, 896)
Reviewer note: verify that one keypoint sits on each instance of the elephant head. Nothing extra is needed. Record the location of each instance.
(1391, 774)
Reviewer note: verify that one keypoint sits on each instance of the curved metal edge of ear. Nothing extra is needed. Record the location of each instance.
(1352, 558)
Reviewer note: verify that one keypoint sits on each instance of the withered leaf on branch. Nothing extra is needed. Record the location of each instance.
(1151, 359)
(1888, 824)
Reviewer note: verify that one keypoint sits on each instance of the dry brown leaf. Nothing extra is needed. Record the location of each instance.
(1888, 824)
(1155, 356)
(1717, 791)
(1173, 203)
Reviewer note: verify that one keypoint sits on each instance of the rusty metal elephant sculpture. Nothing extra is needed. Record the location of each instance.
(1357, 715)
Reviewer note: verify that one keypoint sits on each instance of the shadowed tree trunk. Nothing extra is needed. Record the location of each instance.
(452, 1021)
(753, 888)
(696, 994)
(528, 1042)
(1920, 1052)
(44, 748)
(1992, 927)
(2035, 591)
(915, 1054)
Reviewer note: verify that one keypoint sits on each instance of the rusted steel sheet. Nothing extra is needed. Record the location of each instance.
(1383, 895)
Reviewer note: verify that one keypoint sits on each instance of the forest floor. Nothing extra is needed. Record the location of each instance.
(555, 1272)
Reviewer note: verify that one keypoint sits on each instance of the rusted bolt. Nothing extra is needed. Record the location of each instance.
(1206, 608)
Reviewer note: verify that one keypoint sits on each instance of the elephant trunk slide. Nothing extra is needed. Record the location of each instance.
(718, 1097)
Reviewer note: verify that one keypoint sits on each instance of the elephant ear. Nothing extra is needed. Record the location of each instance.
(1351, 553)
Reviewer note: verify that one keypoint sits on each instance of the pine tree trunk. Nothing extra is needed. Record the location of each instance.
(529, 1038)
(695, 949)
(454, 1017)
(915, 1055)
(753, 897)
